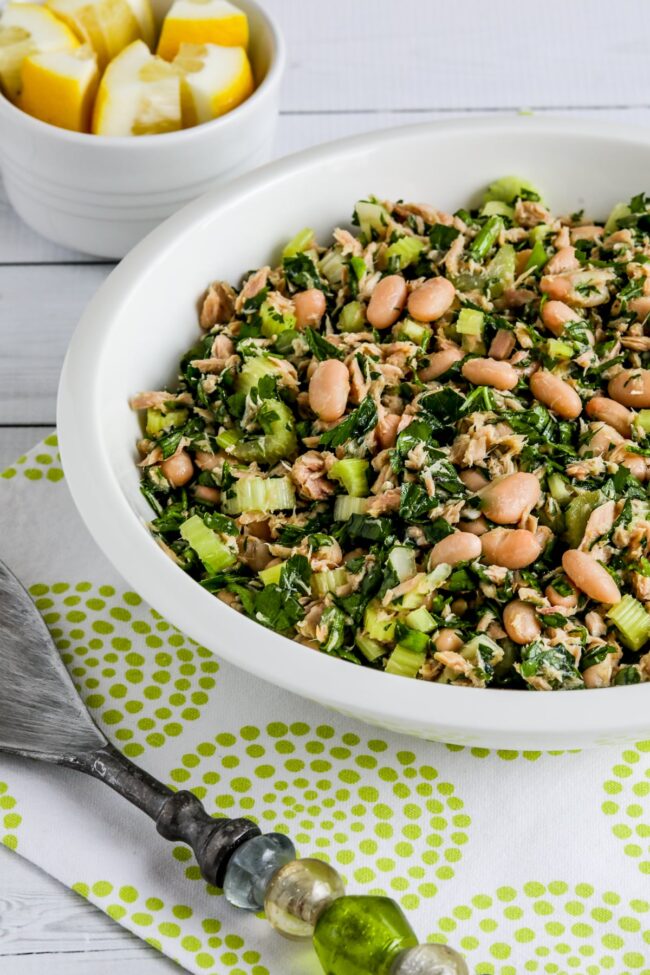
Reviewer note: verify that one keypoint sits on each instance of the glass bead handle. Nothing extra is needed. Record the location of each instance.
(177, 815)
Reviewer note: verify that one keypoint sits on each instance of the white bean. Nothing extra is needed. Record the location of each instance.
(509, 498)
(431, 300)
(329, 388)
(521, 622)
(490, 372)
(556, 394)
(513, 548)
(459, 547)
(590, 576)
(387, 301)
(631, 387)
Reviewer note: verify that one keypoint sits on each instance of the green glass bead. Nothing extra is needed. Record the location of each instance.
(298, 894)
(359, 935)
(429, 960)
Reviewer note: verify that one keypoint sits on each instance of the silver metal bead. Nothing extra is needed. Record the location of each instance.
(251, 868)
(429, 960)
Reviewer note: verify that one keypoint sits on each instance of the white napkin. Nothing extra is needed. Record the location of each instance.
(522, 861)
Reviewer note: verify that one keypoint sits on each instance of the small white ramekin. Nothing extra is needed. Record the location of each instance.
(101, 195)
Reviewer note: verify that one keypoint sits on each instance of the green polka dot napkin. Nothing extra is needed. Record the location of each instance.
(527, 863)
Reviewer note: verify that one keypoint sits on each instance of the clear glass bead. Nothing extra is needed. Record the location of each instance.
(429, 960)
(361, 935)
(298, 894)
(251, 867)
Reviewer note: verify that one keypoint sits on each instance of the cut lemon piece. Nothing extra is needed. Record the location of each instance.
(139, 94)
(27, 28)
(202, 22)
(214, 80)
(107, 25)
(59, 87)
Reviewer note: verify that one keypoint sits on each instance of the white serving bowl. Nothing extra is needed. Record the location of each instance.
(101, 195)
(145, 316)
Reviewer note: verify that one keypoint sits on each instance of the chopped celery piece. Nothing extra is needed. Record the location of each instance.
(404, 662)
(470, 322)
(273, 322)
(346, 506)
(559, 488)
(214, 553)
(619, 211)
(486, 238)
(540, 232)
(271, 576)
(328, 581)
(538, 257)
(559, 350)
(415, 641)
(303, 240)
(372, 216)
(577, 515)
(352, 318)
(259, 494)
(370, 648)
(497, 208)
(401, 559)
(643, 420)
(378, 623)
(508, 188)
(502, 268)
(421, 619)
(410, 331)
(158, 422)
(426, 585)
(351, 473)
(228, 438)
(404, 251)
(255, 369)
(483, 653)
(332, 266)
(632, 622)
(279, 438)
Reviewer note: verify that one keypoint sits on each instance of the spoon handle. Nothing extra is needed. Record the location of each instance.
(177, 815)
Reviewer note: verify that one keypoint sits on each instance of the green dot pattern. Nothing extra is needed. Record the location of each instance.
(318, 786)
(626, 803)
(175, 929)
(507, 755)
(10, 818)
(140, 678)
(42, 466)
(550, 929)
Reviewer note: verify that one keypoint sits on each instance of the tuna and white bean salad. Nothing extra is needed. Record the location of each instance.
(424, 446)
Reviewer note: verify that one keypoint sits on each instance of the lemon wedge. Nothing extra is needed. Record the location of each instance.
(139, 94)
(202, 22)
(107, 25)
(214, 80)
(59, 87)
(27, 28)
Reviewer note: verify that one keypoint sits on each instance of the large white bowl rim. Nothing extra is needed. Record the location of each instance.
(502, 718)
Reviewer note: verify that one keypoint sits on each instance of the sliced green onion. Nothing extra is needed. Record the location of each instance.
(328, 581)
(273, 322)
(643, 420)
(410, 331)
(632, 622)
(279, 439)
(538, 257)
(619, 211)
(271, 576)
(214, 554)
(486, 238)
(158, 422)
(421, 619)
(470, 322)
(259, 494)
(404, 662)
(372, 216)
(404, 251)
(497, 208)
(331, 266)
(351, 473)
(346, 506)
(352, 317)
(509, 188)
(370, 648)
(560, 490)
(401, 559)
(378, 623)
(303, 240)
(228, 438)
(559, 350)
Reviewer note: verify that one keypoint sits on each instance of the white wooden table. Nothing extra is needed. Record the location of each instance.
(354, 65)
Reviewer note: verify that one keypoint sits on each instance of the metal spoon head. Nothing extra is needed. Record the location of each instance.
(41, 714)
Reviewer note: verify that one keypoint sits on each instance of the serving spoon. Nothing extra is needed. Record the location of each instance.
(43, 718)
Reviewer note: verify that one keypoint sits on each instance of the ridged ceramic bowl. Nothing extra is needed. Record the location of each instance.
(145, 316)
(101, 195)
